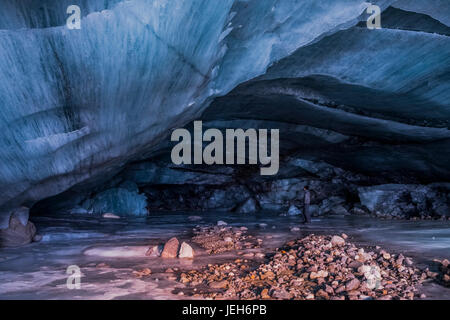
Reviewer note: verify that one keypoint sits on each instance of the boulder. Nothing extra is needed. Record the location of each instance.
(406, 200)
(218, 284)
(359, 210)
(186, 251)
(387, 200)
(332, 205)
(293, 211)
(170, 248)
(154, 251)
(20, 231)
(337, 241)
(339, 210)
(249, 206)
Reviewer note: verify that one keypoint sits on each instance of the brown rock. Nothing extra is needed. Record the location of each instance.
(337, 241)
(18, 233)
(329, 289)
(265, 294)
(319, 274)
(322, 294)
(281, 294)
(218, 284)
(352, 284)
(170, 248)
(355, 264)
(386, 256)
(142, 273)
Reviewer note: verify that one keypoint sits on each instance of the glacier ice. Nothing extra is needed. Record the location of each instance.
(75, 104)
(438, 9)
(78, 105)
(118, 201)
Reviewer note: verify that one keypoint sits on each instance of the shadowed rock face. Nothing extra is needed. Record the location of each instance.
(355, 107)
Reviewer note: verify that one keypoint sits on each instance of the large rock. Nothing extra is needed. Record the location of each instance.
(332, 205)
(186, 251)
(20, 231)
(403, 200)
(293, 211)
(337, 241)
(154, 251)
(249, 206)
(170, 248)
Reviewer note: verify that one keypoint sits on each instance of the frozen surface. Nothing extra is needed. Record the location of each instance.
(37, 271)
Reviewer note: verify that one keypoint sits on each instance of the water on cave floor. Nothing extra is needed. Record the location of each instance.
(38, 270)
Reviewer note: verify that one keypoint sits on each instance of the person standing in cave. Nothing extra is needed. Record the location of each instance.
(306, 203)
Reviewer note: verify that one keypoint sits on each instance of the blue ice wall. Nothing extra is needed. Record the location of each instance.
(79, 104)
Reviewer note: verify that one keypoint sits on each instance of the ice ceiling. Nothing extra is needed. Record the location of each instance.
(78, 105)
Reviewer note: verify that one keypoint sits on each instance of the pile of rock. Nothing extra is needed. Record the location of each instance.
(172, 249)
(222, 238)
(444, 274)
(315, 267)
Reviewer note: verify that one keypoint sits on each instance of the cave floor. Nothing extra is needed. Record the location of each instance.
(107, 251)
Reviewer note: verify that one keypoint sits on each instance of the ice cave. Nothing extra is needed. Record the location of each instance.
(87, 178)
